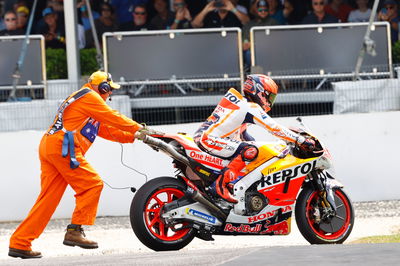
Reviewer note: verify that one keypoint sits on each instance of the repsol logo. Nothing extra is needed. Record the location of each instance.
(281, 176)
(232, 98)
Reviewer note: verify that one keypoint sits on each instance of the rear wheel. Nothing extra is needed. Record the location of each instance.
(145, 215)
(320, 227)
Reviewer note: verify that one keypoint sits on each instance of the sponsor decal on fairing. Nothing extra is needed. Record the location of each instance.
(206, 158)
(281, 176)
(243, 228)
(201, 215)
(268, 214)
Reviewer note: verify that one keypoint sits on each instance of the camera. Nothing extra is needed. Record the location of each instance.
(217, 3)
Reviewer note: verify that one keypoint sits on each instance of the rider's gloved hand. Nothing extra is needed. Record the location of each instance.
(308, 145)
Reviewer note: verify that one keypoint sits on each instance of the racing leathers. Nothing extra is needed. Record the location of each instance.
(224, 134)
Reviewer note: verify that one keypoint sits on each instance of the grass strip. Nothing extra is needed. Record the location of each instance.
(378, 239)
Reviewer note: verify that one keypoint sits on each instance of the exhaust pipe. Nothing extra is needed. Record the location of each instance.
(167, 148)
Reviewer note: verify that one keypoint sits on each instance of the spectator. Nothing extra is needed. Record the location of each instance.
(220, 13)
(164, 17)
(276, 11)
(195, 6)
(105, 23)
(56, 5)
(81, 36)
(338, 9)
(19, 4)
(183, 18)
(361, 14)
(10, 20)
(239, 7)
(22, 17)
(389, 13)
(2, 26)
(84, 13)
(53, 32)
(123, 11)
(139, 21)
(318, 14)
(262, 19)
(296, 10)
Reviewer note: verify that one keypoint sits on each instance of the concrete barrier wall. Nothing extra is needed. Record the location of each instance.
(365, 148)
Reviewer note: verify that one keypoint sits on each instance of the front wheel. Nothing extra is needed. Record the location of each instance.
(318, 226)
(145, 215)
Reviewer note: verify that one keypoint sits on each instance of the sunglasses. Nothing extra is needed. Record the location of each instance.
(262, 10)
(106, 9)
(140, 13)
(318, 3)
(389, 7)
(11, 19)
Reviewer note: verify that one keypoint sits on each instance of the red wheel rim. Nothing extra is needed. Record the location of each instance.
(152, 215)
(343, 208)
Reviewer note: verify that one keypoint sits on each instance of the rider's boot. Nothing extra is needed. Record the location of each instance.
(221, 185)
(231, 173)
(224, 185)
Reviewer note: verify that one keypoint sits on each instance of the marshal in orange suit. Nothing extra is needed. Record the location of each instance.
(80, 118)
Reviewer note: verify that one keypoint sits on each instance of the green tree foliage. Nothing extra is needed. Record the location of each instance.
(396, 53)
(56, 63)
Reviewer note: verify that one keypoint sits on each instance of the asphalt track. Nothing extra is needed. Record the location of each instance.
(354, 254)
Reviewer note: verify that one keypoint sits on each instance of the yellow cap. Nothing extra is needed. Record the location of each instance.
(23, 9)
(100, 76)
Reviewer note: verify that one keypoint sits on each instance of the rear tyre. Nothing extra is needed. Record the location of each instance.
(333, 229)
(146, 211)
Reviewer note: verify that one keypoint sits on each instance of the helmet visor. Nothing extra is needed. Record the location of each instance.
(271, 98)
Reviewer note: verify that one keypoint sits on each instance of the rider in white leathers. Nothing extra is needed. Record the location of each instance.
(224, 134)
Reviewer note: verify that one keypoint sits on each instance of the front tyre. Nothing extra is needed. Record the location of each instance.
(315, 225)
(145, 215)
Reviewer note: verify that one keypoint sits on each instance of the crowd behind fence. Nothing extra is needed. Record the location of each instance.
(163, 95)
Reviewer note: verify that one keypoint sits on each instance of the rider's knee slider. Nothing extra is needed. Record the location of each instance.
(249, 153)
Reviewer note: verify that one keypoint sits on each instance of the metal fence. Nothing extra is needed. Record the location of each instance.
(174, 57)
(32, 78)
(165, 104)
(186, 80)
(319, 49)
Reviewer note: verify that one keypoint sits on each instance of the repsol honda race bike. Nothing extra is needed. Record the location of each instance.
(168, 212)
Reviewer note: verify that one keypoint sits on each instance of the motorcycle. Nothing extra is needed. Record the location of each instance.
(168, 212)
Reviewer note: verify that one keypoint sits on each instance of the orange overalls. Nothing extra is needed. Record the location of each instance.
(82, 116)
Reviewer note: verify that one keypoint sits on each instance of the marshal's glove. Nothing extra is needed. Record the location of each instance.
(145, 130)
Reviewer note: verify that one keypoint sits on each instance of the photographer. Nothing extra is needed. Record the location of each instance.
(390, 13)
(53, 30)
(182, 15)
(262, 18)
(220, 13)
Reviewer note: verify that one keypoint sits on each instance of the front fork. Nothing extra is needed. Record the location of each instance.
(325, 184)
